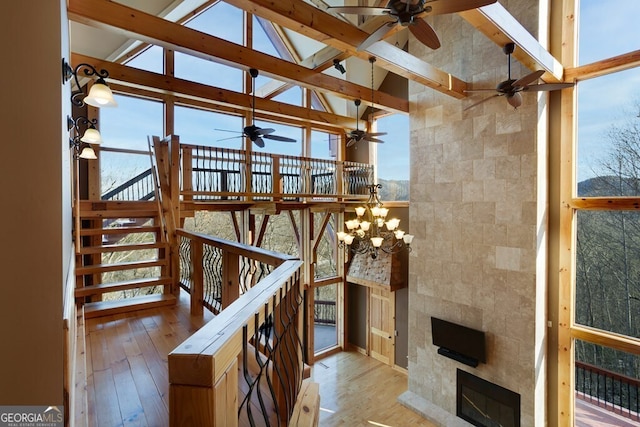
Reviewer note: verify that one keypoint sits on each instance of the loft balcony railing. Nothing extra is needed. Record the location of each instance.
(221, 174)
(608, 390)
(245, 366)
(211, 173)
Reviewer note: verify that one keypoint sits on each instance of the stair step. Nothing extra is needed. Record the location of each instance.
(107, 308)
(121, 248)
(102, 214)
(104, 288)
(104, 268)
(119, 230)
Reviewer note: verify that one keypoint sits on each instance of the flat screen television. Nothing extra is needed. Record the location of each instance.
(466, 345)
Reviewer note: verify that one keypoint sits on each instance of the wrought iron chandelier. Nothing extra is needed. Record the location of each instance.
(371, 231)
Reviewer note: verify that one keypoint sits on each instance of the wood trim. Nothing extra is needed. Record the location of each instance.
(605, 203)
(326, 28)
(495, 22)
(607, 339)
(149, 84)
(133, 23)
(606, 66)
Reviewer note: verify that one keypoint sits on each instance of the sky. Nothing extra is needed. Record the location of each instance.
(609, 100)
(602, 102)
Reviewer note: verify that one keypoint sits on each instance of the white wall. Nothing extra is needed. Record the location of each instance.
(35, 215)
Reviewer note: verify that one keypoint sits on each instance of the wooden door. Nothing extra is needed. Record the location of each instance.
(381, 325)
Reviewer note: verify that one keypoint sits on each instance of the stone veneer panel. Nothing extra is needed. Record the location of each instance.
(476, 214)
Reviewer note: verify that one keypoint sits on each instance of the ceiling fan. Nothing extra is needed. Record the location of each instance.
(511, 88)
(253, 132)
(358, 135)
(410, 13)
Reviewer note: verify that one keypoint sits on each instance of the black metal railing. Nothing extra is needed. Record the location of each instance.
(606, 389)
(271, 369)
(324, 312)
(250, 272)
(213, 173)
(140, 187)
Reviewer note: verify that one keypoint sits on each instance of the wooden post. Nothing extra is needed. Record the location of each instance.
(276, 180)
(174, 173)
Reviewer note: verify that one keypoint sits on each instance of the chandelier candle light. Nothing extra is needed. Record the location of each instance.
(371, 231)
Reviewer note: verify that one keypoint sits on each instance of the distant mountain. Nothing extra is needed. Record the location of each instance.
(602, 186)
(393, 190)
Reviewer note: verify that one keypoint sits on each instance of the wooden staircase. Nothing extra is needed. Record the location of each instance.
(122, 257)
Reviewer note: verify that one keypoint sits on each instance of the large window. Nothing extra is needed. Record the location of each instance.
(607, 182)
(127, 127)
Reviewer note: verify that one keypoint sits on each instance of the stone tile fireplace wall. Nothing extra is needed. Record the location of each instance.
(478, 201)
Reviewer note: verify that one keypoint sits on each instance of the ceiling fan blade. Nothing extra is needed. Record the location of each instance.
(376, 35)
(529, 78)
(376, 134)
(441, 7)
(379, 141)
(548, 86)
(279, 138)
(231, 137)
(266, 131)
(359, 10)
(425, 33)
(227, 130)
(480, 102)
(351, 141)
(259, 142)
(479, 90)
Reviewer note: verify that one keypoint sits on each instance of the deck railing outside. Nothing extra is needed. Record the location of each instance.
(324, 312)
(212, 173)
(245, 366)
(609, 390)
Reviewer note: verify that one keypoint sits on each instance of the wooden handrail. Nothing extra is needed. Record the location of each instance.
(203, 371)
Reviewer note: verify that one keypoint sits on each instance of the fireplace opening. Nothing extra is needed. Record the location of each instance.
(485, 404)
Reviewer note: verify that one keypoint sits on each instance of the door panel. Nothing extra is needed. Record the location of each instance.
(381, 321)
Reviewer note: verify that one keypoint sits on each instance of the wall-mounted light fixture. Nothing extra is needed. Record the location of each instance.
(81, 142)
(338, 66)
(99, 95)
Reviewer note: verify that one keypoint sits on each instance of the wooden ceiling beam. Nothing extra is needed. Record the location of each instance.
(495, 22)
(606, 66)
(136, 24)
(310, 21)
(167, 85)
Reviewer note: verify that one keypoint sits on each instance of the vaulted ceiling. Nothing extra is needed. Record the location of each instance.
(112, 31)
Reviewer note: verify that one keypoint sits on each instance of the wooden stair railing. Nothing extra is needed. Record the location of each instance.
(211, 382)
(133, 270)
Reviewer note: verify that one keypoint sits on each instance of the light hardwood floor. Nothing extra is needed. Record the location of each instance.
(127, 382)
(356, 390)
